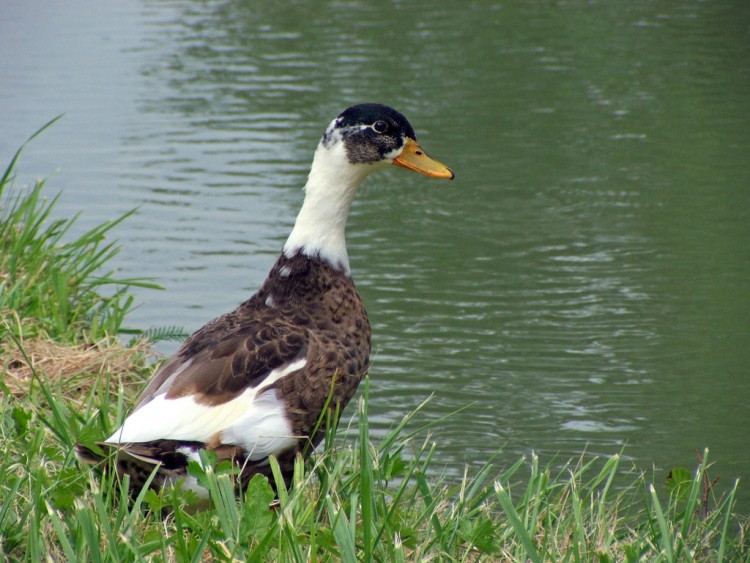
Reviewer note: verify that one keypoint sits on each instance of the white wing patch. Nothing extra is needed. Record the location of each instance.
(255, 423)
(262, 431)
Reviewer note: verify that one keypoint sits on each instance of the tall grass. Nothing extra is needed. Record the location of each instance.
(364, 500)
(356, 499)
(53, 283)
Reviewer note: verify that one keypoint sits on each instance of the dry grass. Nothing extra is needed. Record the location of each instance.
(71, 368)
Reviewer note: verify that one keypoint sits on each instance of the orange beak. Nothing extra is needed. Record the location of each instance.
(414, 158)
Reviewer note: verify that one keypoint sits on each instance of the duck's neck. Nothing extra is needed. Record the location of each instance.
(321, 223)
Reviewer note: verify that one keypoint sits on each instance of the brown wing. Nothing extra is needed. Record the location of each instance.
(227, 365)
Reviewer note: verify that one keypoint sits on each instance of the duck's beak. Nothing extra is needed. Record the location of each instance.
(414, 158)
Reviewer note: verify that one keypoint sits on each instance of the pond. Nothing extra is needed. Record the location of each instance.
(583, 284)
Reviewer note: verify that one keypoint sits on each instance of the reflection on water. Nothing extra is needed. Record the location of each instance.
(582, 284)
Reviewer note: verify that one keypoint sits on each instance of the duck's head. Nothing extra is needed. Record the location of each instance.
(362, 139)
(375, 134)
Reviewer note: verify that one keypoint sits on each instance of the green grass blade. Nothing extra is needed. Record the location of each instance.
(366, 481)
(342, 533)
(666, 538)
(724, 535)
(515, 520)
(9, 170)
(68, 550)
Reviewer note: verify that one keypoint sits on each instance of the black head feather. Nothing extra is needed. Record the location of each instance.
(370, 132)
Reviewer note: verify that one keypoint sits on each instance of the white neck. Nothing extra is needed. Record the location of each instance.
(321, 223)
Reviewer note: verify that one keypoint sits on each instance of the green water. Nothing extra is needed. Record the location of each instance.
(584, 283)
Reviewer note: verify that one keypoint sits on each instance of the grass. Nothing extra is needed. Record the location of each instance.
(50, 285)
(65, 378)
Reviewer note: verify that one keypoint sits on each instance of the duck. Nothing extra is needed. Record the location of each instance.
(256, 382)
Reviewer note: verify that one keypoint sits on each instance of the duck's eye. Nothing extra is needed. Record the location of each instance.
(380, 127)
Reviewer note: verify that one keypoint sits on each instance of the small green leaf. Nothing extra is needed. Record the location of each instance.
(393, 466)
(678, 482)
(154, 501)
(21, 419)
(257, 516)
(63, 499)
(409, 536)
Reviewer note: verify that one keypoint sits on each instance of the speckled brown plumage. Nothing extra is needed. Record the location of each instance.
(305, 308)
